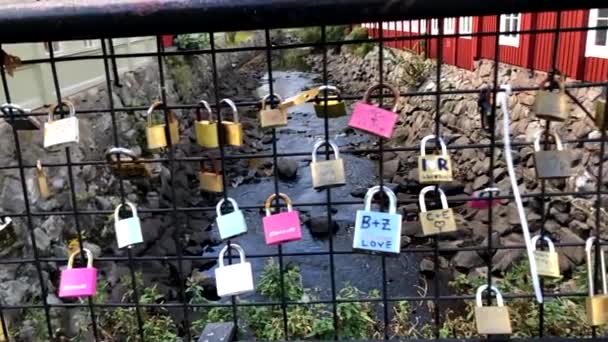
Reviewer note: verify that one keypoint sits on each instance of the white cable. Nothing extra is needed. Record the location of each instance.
(502, 98)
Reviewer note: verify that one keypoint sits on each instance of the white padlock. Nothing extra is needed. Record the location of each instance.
(63, 132)
(128, 230)
(233, 279)
(231, 224)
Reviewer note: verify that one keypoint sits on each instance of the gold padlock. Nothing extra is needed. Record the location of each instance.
(336, 107)
(206, 130)
(327, 173)
(272, 117)
(155, 133)
(233, 130)
(597, 304)
(7, 233)
(491, 320)
(552, 105)
(43, 186)
(439, 220)
(547, 262)
(601, 114)
(124, 163)
(434, 168)
(299, 99)
(211, 180)
(554, 163)
(173, 128)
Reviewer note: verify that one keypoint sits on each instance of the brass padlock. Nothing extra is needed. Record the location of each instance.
(7, 233)
(554, 163)
(547, 262)
(211, 180)
(206, 130)
(233, 130)
(336, 107)
(173, 128)
(272, 117)
(299, 99)
(601, 114)
(439, 220)
(491, 320)
(552, 105)
(597, 304)
(43, 186)
(327, 173)
(434, 168)
(155, 133)
(19, 118)
(124, 163)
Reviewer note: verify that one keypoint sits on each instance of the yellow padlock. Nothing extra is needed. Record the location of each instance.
(552, 105)
(233, 130)
(206, 130)
(155, 133)
(43, 186)
(439, 220)
(211, 180)
(130, 165)
(597, 304)
(336, 107)
(434, 168)
(601, 114)
(299, 99)
(491, 320)
(547, 262)
(272, 117)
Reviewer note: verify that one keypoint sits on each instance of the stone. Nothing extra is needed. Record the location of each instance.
(389, 168)
(480, 182)
(287, 168)
(467, 260)
(319, 226)
(576, 254)
(427, 267)
(218, 332)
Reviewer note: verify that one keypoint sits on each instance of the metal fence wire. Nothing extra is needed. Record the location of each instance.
(101, 20)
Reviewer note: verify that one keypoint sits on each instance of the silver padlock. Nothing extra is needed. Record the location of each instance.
(19, 119)
(377, 231)
(434, 168)
(7, 233)
(547, 262)
(232, 224)
(327, 173)
(63, 132)
(233, 279)
(128, 231)
(554, 163)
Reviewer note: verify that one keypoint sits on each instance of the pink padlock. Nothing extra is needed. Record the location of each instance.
(78, 282)
(372, 119)
(281, 227)
(481, 199)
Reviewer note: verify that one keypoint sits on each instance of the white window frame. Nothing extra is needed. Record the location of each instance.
(415, 24)
(449, 25)
(434, 26)
(57, 48)
(592, 49)
(89, 43)
(406, 26)
(509, 40)
(465, 26)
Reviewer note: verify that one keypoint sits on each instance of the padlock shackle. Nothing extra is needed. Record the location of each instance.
(444, 149)
(551, 81)
(267, 97)
(392, 199)
(55, 106)
(118, 151)
(235, 112)
(238, 248)
(534, 240)
(588, 247)
(117, 210)
(39, 169)
(332, 145)
(218, 207)
(270, 198)
(482, 289)
(539, 134)
(482, 193)
(216, 167)
(5, 222)
(7, 107)
(327, 89)
(73, 255)
(204, 104)
(151, 109)
(380, 86)
(421, 197)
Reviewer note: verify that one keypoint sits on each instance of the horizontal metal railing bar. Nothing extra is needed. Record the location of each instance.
(81, 20)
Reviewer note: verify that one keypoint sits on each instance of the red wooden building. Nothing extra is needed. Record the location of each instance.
(582, 54)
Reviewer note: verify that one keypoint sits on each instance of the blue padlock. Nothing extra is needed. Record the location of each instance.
(128, 231)
(377, 231)
(231, 224)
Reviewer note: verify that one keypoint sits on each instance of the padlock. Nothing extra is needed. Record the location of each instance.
(233, 279)
(439, 220)
(547, 262)
(19, 118)
(206, 130)
(552, 105)
(7, 233)
(434, 168)
(281, 227)
(481, 199)
(155, 133)
(336, 107)
(492, 320)
(601, 114)
(211, 180)
(372, 119)
(62, 132)
(128, 230)
(299, 99)
(78, 282)
(43, 185)
(377, 231)
(272, 117)
(233, 130)
(130, 166)
(327, 173)
(554, 163)
(597, 304)
(173, 128)
(232, 224)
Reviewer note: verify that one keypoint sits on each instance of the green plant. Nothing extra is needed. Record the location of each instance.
(362, 49)
(193, 41)
(311, 35)
(415, 70)
(270, 282)
(356, 320)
